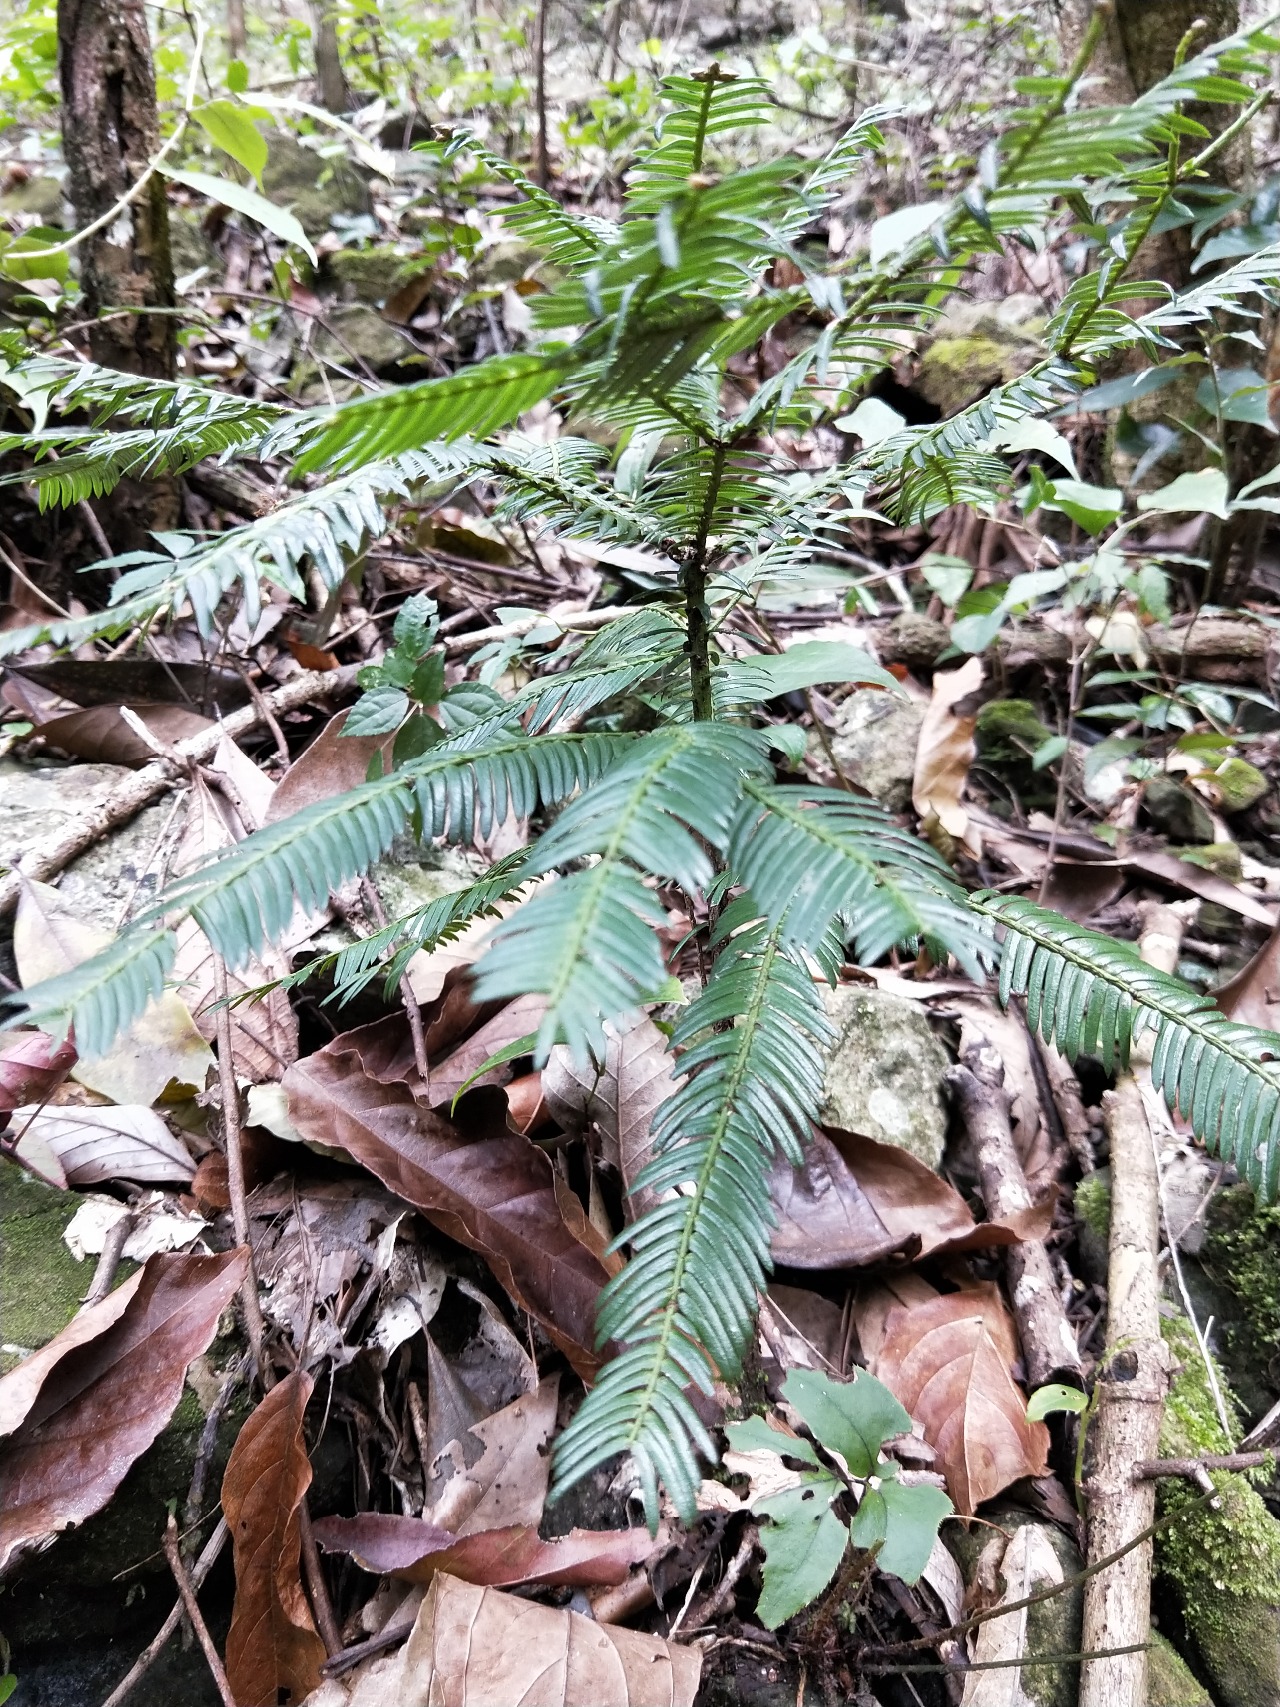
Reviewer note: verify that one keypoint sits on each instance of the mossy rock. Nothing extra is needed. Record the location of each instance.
(1170, 1680)
(874, 742)
(977, 346)
(313, 186)
(1240, 785)
(41, 1283)
(1224, 1563)
(1242, 1252)
(41, 195)
(1177, 811)
(1093, 1230)
(1010, 729)
(371, 275)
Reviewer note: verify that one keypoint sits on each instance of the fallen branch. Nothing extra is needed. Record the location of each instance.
(1132, 1384)
(1049, 1346)
(1154, 1468)
(130, 795)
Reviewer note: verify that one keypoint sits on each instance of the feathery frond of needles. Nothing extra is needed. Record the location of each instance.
(751, 1068)
(1091, 995)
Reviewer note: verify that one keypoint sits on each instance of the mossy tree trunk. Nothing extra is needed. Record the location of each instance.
(110, 134)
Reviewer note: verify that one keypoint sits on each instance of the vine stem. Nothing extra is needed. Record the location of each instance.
(697, 615)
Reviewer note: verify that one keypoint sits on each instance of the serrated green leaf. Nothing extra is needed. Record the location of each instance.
(377, 713)
(804, 1542)
(903, 1521)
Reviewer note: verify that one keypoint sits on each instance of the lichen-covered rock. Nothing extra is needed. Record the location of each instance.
(356, 334)
(41, 195)
(915, 640)
(1242, 1253)
(1238, 785)
(1170, 1682)
(313, 186)
(1225, 1563)
(874, 743)
(884, 1072)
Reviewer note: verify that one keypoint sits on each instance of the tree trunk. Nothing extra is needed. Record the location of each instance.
(235, 29)
(109, 135)
(331, 84)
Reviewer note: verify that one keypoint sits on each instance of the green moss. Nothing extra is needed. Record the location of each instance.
(1169, 1679)
(41, 1283)
(1010, 729)
(1242, 1252)
(1242, 785)
(1093, 1204)
(1225, 1563)
(955, 371)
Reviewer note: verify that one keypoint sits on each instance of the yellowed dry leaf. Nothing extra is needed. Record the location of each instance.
(479, 1647)
(944, 752)
(160, 1048)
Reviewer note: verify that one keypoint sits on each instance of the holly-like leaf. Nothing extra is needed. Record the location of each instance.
(903, 1522)
(803, 1542)
(853, 1418)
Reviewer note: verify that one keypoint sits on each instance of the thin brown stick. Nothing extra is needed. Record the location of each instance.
(129, 796)
(253, 1319)
(112, 1250)
(155, 1647)
(192, 1608)
(1153, 1468)
(716, 1601)
(317, 1587)
(373, 901)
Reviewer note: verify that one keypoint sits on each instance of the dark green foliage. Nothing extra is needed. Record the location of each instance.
(634, 335)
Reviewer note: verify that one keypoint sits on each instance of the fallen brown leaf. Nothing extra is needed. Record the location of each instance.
(619, 1101)
(83, 1409)
(32, 1065)
(494, 1193)
(1252, 997)
(274, 1652)
(944, 752)
(479, 1647)
(410, 1548)
(100, 735)
(854, 1202)
(518, 1019)
(331, 765)
(948, 1361)
(160, 1048)
(507, 1483)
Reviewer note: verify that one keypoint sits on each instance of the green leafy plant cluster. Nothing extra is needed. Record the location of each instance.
(806, 1536)
(684, 476)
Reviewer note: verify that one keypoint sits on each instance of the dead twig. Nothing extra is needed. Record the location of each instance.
(317, 1587)
(1049, 1346)
(715, 1603)
(134, 792)
(112, 1250)
(253, 1318)
(155, 1647)
(192, 1608)
(1193, 1468)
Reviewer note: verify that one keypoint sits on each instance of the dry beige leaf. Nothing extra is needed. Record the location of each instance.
(264, 1033)
(160, 1048)
(945, 751)
(507, 1483)
(96, 1144)
(1029, 1563)
(1253, 996)
(479, 1647)
(948, 1361)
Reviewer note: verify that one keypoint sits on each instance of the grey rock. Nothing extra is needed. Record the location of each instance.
(36, 801)
(42, 196)
(914, 640)
(1175, 810)
(884, 1073)
(354, 334)
(874, 743)
(371, 275)
(314, 187)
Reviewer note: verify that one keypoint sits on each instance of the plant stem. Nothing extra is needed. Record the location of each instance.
(697, 616)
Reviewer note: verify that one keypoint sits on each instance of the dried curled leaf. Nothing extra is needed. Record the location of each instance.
(494, 1193)
(274, 1653)
(475, 1646)
(948, 1361)
(413, 1550)
(96, 1144)
(88, 1405)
